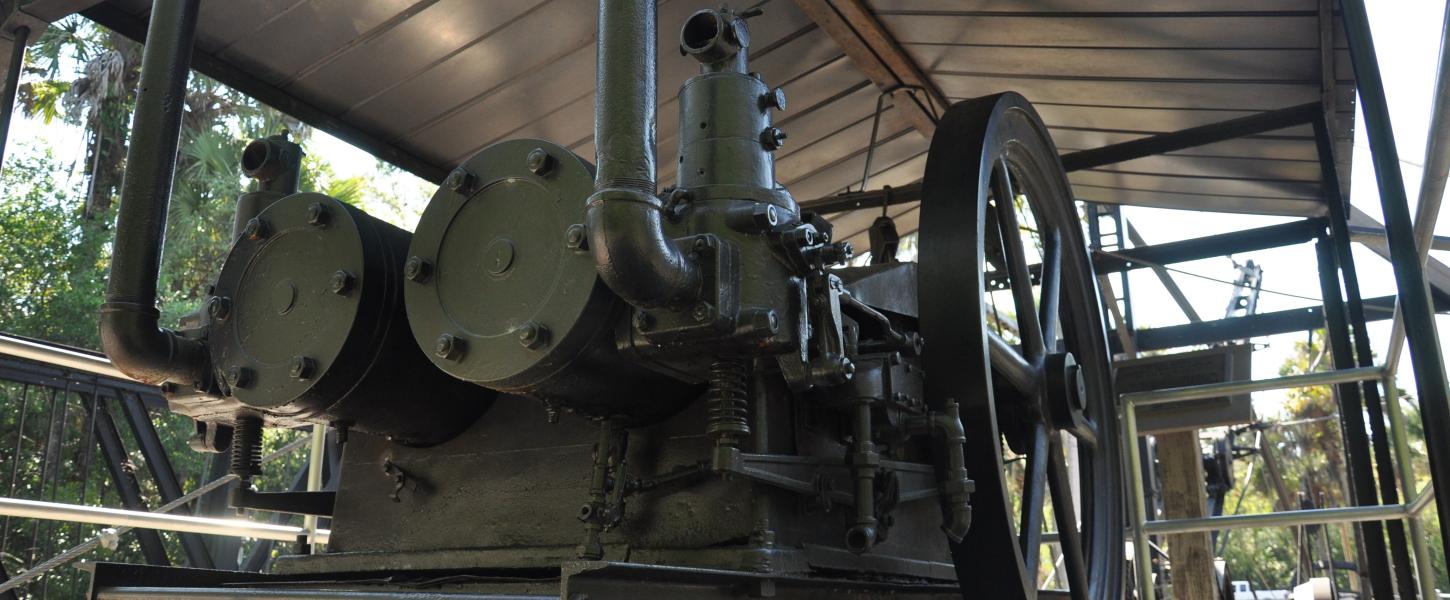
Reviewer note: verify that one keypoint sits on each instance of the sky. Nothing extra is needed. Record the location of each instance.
(1407, 37)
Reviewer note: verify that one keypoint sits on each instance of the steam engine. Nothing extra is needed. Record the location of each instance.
(564, 363)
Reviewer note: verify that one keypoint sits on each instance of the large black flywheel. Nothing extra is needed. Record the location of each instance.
(1014, 335)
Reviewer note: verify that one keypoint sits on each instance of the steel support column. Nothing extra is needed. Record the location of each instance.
(162, 472)
(1351, 424)
(1364, 356)
(119, 466)
(1414, 292)
(12, 85)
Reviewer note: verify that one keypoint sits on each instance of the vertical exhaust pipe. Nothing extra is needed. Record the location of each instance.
(130, 332)
(626, 234)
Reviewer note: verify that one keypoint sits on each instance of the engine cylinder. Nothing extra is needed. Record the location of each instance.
(307, 326)
(504, 292)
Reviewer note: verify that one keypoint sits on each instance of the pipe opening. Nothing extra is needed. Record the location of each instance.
(702, 30)
(255, 155)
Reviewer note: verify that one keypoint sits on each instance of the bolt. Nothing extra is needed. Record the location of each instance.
(417, 269)
(239, 377)
(255, 229)
(848, 368)
(540, 162)
(772, 138)
(533, 335)
(576, 237)
(459, 180)
(701, 312)
(643, 321)
(317, 215)
(701, 244)
(341, 282)
(219, 307)
(302, 367)
(448, 347)
(773, 99)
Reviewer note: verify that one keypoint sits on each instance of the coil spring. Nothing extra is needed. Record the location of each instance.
(247, 447)
(729, 404)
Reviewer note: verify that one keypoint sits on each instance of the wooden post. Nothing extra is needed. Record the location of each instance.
(1184, 496)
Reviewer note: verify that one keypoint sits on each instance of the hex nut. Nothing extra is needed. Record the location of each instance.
(302, 367)
(533, 335)
(219, 307)
(772, 138)
(318, 215)
(540, 162)
(448, 347)
(576, 237)
(701, 312)
(459, 180)
(341, 282)
(255, 229)
(239, 377)
(417, 269)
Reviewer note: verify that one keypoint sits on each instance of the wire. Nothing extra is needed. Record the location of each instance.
(1216, 280)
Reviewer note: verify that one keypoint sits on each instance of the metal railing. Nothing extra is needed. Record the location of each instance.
(1139, 527)
(59, 387)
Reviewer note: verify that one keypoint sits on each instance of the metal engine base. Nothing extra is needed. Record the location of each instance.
(575, 580)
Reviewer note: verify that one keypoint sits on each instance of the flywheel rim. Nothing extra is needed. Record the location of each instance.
(977, 141)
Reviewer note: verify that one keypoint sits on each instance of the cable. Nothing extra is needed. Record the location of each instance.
(1216, 280)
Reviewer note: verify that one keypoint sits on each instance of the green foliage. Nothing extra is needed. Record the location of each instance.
(1310, 455)
(56, 227)
(52, 262)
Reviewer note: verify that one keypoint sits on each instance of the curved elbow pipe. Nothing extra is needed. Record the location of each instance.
(632, 254)
(140, 348)
(130, 334)
(626, 233)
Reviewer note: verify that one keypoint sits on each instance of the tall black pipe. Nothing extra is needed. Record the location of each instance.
(12, 85)
(130, 333)
(626, 233)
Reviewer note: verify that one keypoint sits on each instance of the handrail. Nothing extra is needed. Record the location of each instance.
(1139, 527)
(59, 356)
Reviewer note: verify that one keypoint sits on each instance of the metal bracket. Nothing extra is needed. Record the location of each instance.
(298, 503)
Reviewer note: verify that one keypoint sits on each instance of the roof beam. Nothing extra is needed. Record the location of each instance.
(1192, 137)
(877, 54)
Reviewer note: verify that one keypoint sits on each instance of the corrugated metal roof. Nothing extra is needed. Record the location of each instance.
(437, 80)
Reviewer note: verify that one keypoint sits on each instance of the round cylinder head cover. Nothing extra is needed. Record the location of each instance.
(504, 292)
(307, 326)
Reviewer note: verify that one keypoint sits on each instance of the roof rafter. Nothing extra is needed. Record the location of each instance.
(878, 55)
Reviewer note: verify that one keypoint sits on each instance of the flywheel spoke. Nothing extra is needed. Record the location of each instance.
(1009, 363)
(1051, 291)
(1070, 538)
(1034, 492)
(1020, 278)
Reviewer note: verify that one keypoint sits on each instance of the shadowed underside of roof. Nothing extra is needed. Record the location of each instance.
(426, 83)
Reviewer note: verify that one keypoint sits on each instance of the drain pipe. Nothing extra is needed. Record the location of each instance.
(130, 333)
(626, 233)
